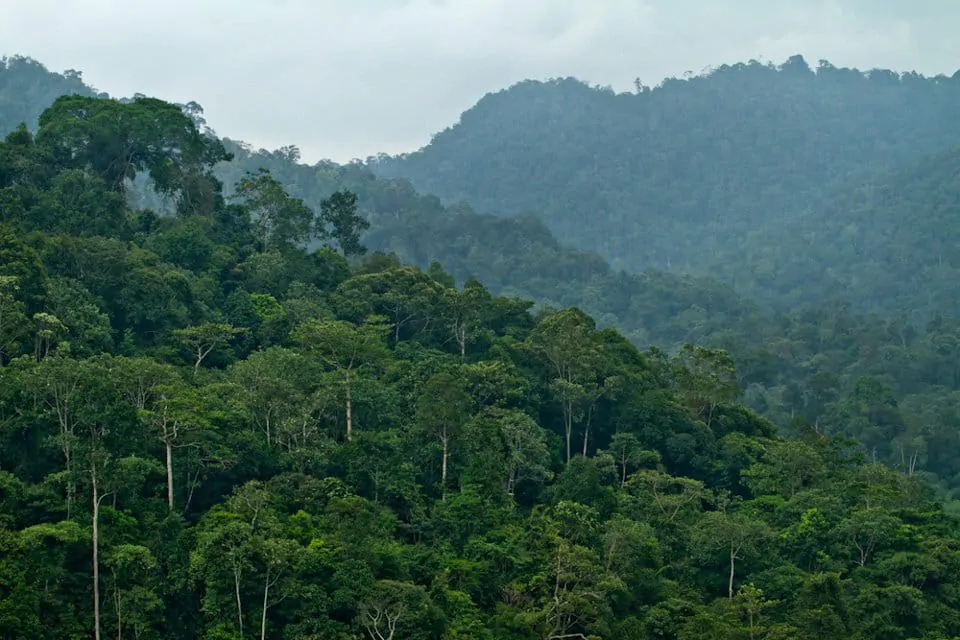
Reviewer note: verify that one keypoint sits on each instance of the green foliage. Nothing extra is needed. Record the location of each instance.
(260, 440)
(884, 244)
(279, 220)
(729, 173)
(339, 212)
(116, 140)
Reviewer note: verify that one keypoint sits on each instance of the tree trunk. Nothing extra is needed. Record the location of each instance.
(169, 447)
(568, 425)
(236, 590)
(586, 430)
(192, 487)
(462, 341)
(263, 618)
(443, 468)
(67, 431)
(349, 409)
(733, 559)
(96, 552)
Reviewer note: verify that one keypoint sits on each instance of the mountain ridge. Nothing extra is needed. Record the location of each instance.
(674, 177)
(674, 309)
(210, 429)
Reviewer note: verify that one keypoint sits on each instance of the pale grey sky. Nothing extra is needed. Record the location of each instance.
(348, 78)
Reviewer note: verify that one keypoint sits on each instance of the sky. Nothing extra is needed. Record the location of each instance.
(345, 79)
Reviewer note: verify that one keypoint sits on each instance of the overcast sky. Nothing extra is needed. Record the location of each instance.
(348, 78)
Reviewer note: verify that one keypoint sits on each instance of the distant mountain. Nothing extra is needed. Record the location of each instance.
(886, 244)
(682, 176)
(27, 88)
(889, 382)
(209, 431)
(513, 256)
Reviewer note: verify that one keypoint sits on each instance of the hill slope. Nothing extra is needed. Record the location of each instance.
(516, 257)
(207, 431)
(889, 243)
(27, 88)
(884, 381)
(679, 176)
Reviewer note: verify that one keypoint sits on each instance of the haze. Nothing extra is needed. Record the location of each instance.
(350, 78)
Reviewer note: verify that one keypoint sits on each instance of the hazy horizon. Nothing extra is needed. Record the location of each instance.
(345, 81)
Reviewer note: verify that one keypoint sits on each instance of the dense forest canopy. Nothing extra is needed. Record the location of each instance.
(887, 244)
(701, 175)
(224, 414)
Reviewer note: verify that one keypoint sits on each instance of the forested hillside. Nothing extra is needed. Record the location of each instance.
(27, 88)
(223, 417)
(515, 256)
(210, 432)
(700, 175)
(810, 362)
(888, 381)
(653, 308)
(885, 244)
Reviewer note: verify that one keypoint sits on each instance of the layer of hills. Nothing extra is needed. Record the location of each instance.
(526, 260)
(793, 184)
(219, 421)
(884, 379)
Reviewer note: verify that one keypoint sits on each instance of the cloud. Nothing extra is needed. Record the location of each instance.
(349, 78)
